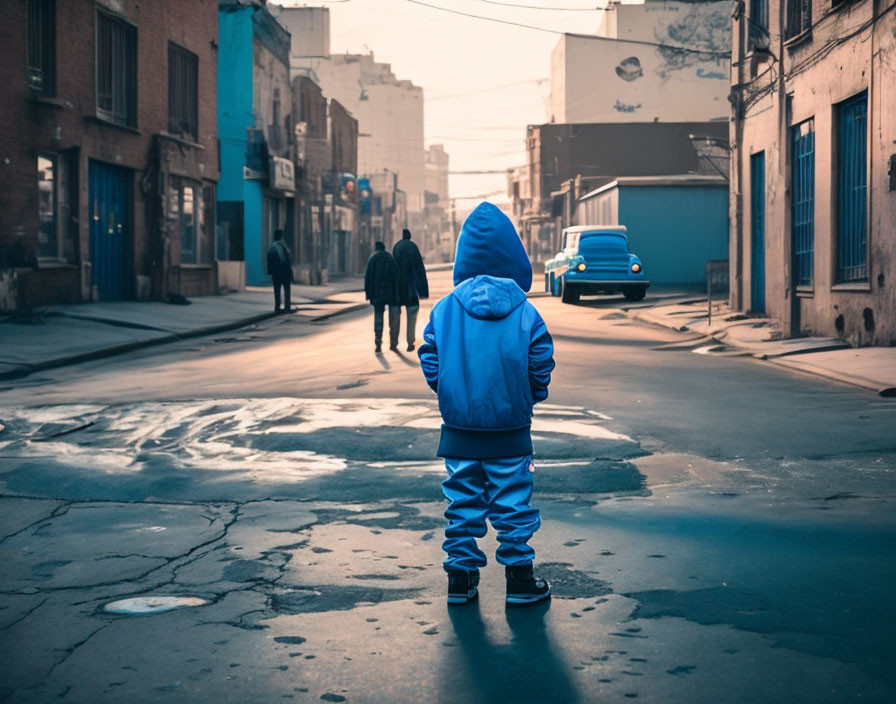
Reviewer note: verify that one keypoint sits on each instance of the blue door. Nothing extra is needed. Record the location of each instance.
(110, 231)
(757, 232)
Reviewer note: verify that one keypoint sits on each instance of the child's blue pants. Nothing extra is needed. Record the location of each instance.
(497, 489)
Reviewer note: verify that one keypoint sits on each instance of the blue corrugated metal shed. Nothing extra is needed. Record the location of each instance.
(675, 223)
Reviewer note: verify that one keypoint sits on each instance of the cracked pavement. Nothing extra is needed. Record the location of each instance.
(714, 529)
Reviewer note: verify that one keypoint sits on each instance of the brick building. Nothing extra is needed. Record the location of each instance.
(313, 159)
(347, 255)
(108, 156)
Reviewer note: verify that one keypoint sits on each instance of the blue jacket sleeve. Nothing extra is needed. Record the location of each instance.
(429, 357)
(541, 359)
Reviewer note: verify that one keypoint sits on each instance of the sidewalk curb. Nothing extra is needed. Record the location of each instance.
(27, 370)
(787, 360)
(811, 369)
(350, 309)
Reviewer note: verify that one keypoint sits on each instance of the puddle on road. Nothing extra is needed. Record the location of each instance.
(152, 604)
(272, 440)
(664, 469)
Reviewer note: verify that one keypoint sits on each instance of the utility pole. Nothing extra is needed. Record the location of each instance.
(453, 225)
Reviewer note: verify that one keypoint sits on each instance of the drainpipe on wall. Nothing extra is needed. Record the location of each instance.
(737, 164)
(792, 311)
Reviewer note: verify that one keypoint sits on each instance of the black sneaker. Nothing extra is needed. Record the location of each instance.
(379, 348)
(463, 586)
(523, 587)
(411, 347)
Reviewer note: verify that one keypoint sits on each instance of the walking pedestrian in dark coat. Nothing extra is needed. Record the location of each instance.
(412, 285)
(280, 271)
(381, 289)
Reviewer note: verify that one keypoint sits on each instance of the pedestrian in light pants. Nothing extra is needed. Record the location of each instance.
(395, 326)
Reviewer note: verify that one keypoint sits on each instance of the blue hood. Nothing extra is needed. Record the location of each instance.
(488, 244)
(489, 298)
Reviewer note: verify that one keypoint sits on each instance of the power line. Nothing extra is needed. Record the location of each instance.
(538, 7)
(490, 89)
(478, 196)
(474, 172)
(669, 47)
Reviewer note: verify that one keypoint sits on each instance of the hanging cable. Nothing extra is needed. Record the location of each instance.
(669, 47)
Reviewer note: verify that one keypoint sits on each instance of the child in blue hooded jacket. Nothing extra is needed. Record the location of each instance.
(488, 355)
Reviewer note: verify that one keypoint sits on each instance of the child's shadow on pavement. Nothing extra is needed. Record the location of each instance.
(523, 670)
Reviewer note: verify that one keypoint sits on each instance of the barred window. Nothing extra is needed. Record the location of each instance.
(757, 23)
(802, 221)
(42, 46)
(183, 93)
(116, 70)
(799, 17)
(852, 182)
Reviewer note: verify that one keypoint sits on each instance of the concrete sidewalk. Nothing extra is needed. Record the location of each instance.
(734, 333)
(61, 335)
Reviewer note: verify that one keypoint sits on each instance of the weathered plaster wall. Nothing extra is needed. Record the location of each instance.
(862, 313)
(594, 80)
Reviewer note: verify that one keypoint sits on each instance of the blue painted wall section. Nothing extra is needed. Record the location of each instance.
(675, 229)
(235, 116)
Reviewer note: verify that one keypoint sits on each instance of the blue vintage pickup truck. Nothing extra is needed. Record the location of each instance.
(595, 259)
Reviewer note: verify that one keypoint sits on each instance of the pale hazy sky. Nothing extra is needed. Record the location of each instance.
(483, 81)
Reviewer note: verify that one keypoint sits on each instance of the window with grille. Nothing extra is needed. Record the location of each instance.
(798, 17)
(757, 23)
(183, 92)
(802, 220)
(42, 46)
(852, 161)
(116, 70)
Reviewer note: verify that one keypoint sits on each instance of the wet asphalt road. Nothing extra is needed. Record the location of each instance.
(716, 529)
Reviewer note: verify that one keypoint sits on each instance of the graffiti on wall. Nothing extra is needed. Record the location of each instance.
(629, 69)
(705, 26)
(622, 107)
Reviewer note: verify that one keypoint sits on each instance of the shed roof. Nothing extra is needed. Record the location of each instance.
(674, 180)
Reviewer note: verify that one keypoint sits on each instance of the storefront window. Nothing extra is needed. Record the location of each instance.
(184, 213)
(48, 236)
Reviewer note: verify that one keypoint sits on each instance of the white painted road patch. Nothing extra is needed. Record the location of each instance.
(152, 604)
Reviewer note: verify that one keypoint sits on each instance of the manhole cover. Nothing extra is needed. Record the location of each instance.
(152, 604)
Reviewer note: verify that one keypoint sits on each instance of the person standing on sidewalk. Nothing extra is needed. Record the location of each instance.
(381, 289)
(488, 355)
(280, 271)
(412, 285)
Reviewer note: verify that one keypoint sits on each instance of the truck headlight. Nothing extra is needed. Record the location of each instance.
(636, 268)
(580, 266)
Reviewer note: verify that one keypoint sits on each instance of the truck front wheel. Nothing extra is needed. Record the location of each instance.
(569, 294)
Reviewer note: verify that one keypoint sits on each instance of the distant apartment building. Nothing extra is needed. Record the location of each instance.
(436, 238)
(389, 110)
(109, 152)
(813, 166)
(631, 70)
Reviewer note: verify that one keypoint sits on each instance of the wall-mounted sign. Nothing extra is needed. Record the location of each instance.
(283, 174)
